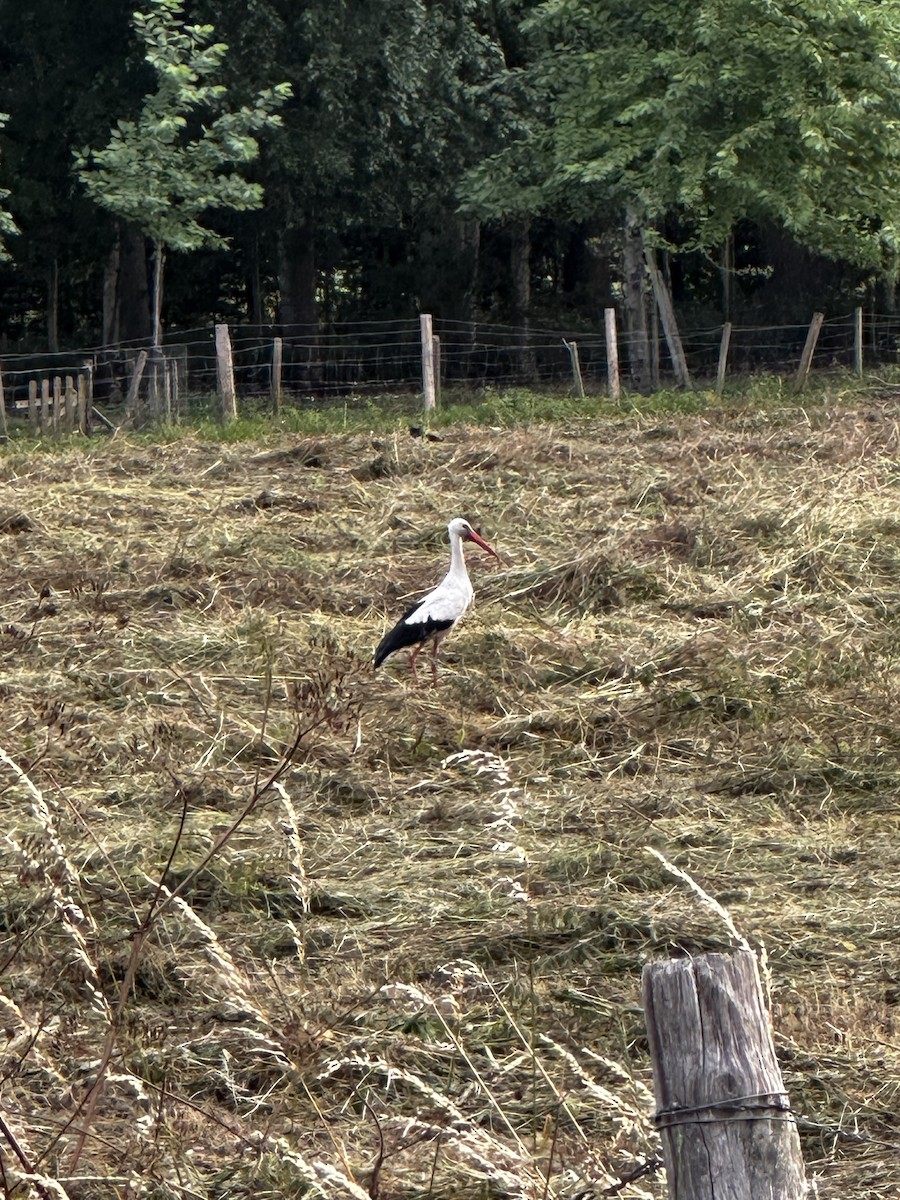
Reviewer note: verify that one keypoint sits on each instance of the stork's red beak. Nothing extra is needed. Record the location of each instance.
(472, 536)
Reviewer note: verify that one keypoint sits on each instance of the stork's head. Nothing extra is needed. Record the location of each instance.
(460, 527)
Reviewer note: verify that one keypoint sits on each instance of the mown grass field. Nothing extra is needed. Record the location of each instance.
(407, 963)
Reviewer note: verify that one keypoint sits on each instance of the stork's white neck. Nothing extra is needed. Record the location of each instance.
(457, 557)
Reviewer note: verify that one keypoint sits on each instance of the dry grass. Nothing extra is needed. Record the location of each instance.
(412, 966)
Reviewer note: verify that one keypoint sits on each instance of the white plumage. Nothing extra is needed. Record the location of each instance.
(432, 617)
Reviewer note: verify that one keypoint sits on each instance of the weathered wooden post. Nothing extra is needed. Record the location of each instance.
(277, 362)
(33, 421)
(134, 386)
(69, 404)
(225, 374)
(86, 398)
(83, 422)
(57, 402)
(45, 407)
(172, 389)
(723, 358)
(436, 357)
(429, 392)
(858, 341)
(572, 348)
(612, 354)
(669, 321)
(722, 1112)
(809, 350)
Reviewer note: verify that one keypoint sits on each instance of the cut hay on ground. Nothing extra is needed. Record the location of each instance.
(411, 965)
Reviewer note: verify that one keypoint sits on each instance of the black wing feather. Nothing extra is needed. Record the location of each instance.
(403, 635)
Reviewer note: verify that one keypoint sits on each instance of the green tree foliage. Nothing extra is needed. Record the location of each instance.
(710, 111)
(392, 103)
(166, 169)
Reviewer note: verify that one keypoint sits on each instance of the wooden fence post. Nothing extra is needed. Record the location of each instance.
(57, 403)
(277, 364)
(809, 350)
(572, 348)
(83, 418)
(429, 392)
(34, 425)
(172, 389)
(612, 354)
(86, 397)
(723, 358)
(669, 322)
(225, 373)
(45, 407)
(858, 341)
(134, 386)
(722, 1110)
(71, 397)
(436, 357)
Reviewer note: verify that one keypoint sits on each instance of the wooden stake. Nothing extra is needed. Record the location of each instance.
(57, 402)
(135, 386)
(86, 412)
(277, 363)
(225, 374)
(722, 1110)
(436, 359)
(612, 354)
(172, 389)
(858, 341)
(45, 407)
(83, 410)
(809, 350)
(572, 348)
(167, 392)
(69, 398)
(723, 358)
(34, 424)
(429, 392)
(667, 316)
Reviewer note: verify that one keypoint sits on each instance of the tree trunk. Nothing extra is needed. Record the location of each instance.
(111, 292)
(726, 273)
(255, 308)
(53, 306)
(297, 278)
(520, 271)
(633, 282)
(133, 291)
(159, 262)
(298, 309)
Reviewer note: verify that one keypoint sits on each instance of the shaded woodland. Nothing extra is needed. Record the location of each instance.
(420, 165)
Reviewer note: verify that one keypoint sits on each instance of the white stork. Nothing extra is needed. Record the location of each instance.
(432, 618)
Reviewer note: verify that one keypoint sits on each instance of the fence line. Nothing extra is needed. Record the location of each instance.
(363, 358)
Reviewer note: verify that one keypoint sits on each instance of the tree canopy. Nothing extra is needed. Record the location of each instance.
(712, 112)
(468, 155)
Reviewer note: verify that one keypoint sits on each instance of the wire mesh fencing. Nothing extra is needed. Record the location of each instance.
(312, 364)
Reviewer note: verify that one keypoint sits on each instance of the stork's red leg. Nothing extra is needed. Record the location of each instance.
(412, 662)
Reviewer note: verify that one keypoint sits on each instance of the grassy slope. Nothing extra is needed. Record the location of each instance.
(437, 922)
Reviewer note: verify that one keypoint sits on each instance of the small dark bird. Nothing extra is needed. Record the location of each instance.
(418, 431)
(432, 618)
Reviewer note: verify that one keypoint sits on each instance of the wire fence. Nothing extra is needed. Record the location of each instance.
(366, 359)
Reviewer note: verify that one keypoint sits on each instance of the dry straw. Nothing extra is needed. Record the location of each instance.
(404, 960)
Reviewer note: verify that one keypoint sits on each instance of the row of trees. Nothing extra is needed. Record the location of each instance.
(324, 161)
